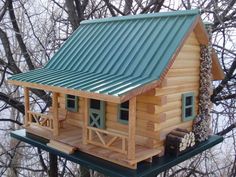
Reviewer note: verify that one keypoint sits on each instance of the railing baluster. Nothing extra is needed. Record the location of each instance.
(90, 135)
(113, 137)
(42, 120)
(123, 144)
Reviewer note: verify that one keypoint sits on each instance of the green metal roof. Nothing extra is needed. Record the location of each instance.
(115, 55)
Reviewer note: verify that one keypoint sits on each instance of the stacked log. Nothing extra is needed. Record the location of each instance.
(179, 140)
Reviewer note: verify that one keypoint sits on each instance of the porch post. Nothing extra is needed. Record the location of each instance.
(27, 105)
(55, 113)
(85, 122)
(132, 128)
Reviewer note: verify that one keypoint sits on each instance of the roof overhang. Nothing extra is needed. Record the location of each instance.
(84, 94)
(202, 36)
(217, 71)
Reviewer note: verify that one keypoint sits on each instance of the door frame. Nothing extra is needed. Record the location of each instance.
(101, 113)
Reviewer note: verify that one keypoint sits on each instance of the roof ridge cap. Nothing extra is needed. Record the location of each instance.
(143, 16)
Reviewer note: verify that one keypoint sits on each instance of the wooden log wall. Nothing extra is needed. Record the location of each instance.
(160, 109)
(73, 118)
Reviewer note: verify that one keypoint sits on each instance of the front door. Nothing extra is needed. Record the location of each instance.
(97, 113)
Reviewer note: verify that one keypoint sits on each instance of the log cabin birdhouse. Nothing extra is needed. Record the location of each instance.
(120, 85)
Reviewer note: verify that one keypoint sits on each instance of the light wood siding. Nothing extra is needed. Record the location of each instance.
(160, 117)
(74, 118)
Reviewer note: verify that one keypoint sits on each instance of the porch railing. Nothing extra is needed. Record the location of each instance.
(107, 139)
(41, 120)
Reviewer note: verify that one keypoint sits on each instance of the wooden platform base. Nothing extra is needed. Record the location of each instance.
(110, 169)
(62, 147)
(70, 139)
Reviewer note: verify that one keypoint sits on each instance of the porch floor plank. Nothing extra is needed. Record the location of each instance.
(72, 136)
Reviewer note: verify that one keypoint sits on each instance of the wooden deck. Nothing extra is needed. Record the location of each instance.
(72, 136)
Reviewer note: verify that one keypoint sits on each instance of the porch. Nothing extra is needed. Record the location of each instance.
(115, 146)
(104, 144)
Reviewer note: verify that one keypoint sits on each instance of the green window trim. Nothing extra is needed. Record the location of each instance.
(188, 106)
(120, 108)
(74, 100)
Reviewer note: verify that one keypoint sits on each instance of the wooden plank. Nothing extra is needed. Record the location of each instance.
(186, 64)
(188, 47)
(186, 87)
(192, 39)
(170, 122)
(176, 72)
(85, 121)
(141, 116)
(80, 93)
(185, 125)
(158, 100)
(75, 122)
(173, 113)
(168, 107)
(157, 118)
(146, 107)
(201, 33)
(27, 106)
(143, 155)
(132, 128)
(55, 114)
(174, 97)
(75, 115)
(149, 93)
(217, 71)
(188, 57)
(61, 147)
(173, 81)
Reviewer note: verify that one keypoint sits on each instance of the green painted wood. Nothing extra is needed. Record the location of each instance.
(190, 106)
(144, 169)
(75, 100)
(115, 55)
(97, 116)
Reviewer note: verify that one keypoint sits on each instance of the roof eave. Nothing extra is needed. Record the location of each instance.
(84, 94)
(197, 24)
(200, 31)
(217, 71)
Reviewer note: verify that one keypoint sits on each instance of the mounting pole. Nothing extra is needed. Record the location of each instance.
(53, 171)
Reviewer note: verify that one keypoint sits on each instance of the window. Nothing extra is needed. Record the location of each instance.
(95, 104)
(123, 112)
(188, 101)
(72, 103)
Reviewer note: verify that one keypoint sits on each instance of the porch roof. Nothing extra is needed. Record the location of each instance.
(110, 84)
(120, 56)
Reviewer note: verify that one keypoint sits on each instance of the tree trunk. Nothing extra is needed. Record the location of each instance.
(53, 172)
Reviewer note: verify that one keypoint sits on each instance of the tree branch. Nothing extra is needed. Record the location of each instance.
(4, 9)
(227, 130)
(109, 6)
(6, 45)
(11, 120)
(19, 37)
(13, 102)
